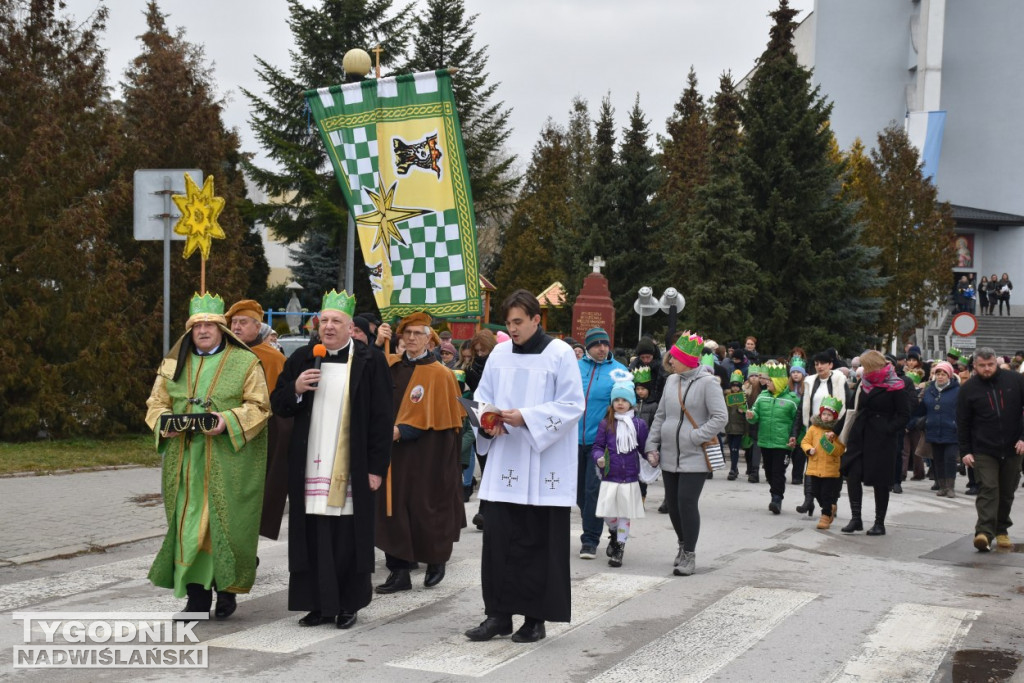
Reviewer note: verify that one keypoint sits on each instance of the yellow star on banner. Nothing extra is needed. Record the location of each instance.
(385, 216)
(199, 213)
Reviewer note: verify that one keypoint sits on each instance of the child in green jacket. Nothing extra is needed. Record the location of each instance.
(775, 412)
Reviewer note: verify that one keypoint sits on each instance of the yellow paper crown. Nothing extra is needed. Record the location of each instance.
(339, 301)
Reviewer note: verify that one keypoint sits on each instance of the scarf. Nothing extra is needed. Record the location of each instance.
(885, 378)
(625, 432)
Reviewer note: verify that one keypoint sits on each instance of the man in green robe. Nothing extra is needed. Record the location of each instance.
(213, 479)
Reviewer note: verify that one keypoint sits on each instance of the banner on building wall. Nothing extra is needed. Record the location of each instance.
(925, 129)
(396, 147)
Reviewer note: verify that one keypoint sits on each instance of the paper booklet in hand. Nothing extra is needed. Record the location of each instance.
(481, 415)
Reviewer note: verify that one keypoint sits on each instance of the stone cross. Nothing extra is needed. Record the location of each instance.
(597, 263)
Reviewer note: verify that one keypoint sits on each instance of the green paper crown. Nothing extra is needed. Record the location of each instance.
(954, 352)
(797, 362)
(755, 369)
(737, 376)
(708, 359)
(339, 301)
(776, 370)
(210, 305)
(915, 375)
(832, 403)
(691, 344)
(642, 375)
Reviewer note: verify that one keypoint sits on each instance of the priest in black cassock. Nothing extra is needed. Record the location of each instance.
(530, 479)
(339, 452)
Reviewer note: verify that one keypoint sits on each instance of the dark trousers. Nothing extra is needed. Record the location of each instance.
(944, 460)
(799, 460)
(775, 469)
(998, 479)
(753, 459)
(826, 491)
(682, 494)
(588, 484)
(735, 443)
(854, 486)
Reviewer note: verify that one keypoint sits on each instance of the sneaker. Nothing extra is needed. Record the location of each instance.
(688, 566)
(732, 475)
(588, 552)
(1003, 541)
(981, 543)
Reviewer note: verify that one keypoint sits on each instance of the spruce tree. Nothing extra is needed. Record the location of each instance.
(579, 141)
(303, 193)
(67, 315)
(528, 257)
(684, 153)
(316, 267)
(815, 278)
(629, 262)
(599, 214)
(443, 36)
(173, 119)
(911, 229)
(710, 264)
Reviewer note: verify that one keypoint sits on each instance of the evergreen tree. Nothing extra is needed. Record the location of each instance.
(629, 262)
(173, 119)
(711, 263)
(579, 141)
(443, 36)
(67, 316)
(304, 196)
(528, 258)
(904, 220)
(316, 267)
(815, 278)
(684, 154)
(599, 213)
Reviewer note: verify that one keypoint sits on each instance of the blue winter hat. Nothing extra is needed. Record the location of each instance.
(624, 390)
(596, 335)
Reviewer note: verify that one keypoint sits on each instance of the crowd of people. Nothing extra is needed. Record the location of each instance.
(375, 435)
(983, 297)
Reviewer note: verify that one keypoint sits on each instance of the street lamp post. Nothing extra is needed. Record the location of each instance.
(671, 302)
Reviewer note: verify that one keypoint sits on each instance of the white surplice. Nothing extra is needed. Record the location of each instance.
(534, 464)
(323, 440)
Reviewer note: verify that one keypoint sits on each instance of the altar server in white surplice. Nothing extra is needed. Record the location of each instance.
(530, 478)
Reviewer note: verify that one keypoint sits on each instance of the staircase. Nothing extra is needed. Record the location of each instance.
(1005, 334)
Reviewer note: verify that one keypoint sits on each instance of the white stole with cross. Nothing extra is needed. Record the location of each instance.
(323, 440)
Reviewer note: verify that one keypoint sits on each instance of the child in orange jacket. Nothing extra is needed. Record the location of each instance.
(824, 451)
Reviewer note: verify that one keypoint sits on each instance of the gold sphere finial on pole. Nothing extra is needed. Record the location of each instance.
(356, 63)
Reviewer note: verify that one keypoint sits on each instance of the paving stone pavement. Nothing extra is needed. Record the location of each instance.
(46, 516)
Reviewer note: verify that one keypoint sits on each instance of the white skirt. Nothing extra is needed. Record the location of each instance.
(620, 500)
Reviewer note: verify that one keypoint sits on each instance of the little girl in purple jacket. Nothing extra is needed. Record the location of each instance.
(619, 445)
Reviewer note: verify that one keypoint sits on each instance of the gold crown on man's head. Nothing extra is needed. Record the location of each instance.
(339, 301)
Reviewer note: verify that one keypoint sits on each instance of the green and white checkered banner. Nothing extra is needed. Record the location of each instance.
(396, 148)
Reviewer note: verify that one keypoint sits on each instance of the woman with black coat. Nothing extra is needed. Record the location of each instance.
(872, 437)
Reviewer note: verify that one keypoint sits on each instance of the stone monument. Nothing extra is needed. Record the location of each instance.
(594, 306)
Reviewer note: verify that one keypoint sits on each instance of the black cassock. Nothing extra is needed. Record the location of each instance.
(330, 559)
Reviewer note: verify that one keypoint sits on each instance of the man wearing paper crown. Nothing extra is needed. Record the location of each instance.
(213, 473)
(774, 411)
(339, 395)
(421, 513)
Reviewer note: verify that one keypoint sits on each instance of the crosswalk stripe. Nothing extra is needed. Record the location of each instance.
(285, 635)
(591, 598)
(733, 625)
(32, 591)
(908, 645)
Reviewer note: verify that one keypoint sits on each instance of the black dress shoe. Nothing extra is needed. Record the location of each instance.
(435, 572)
(663, 508)
(314, 618)
(346, 619)
(199, 600)
(478, 521)
(398, 580)
(897, 488)
(226, 605)
(490, 627)
(876, 530)
(530, 632)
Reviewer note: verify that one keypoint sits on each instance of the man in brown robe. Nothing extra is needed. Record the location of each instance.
(420, 515)
(244, 318)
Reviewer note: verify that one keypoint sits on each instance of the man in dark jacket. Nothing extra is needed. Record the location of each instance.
(990, 428)
(339, 452)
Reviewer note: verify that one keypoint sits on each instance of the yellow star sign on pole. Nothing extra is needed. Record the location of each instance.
(199, 213)
(385, 216)
(198, 222)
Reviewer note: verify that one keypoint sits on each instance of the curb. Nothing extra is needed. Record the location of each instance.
(77, 470)
(69, 551)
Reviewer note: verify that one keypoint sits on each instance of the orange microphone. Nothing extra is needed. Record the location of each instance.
(319, 351)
